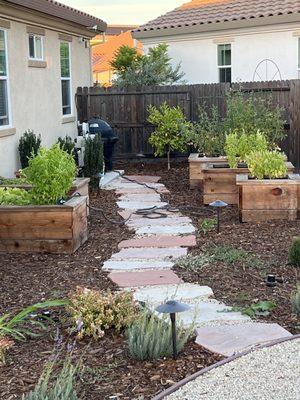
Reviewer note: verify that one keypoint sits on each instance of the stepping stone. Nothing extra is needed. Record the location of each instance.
(119, 184)
(211, 313)
(131, 265)
(145, 278)
(185, 292)
(165, 230)
(160, 241)
(150, 253)
(144, 178)
(109, 177)
(137, 205)
(140, 197)
(141, 189)
(138, 222)
(229, 340)
(126, 214)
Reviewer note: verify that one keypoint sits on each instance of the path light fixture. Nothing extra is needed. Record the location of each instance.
(271, 281)
(172, 307)
(218, 204)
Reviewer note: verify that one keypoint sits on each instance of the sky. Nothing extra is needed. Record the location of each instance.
(124, 12)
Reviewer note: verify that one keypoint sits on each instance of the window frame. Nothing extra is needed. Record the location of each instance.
(6, 78)
(298, 53)
(227, 66)
(34, 47)
(69, 78)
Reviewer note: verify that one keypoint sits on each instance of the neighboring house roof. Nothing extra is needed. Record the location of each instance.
(212, 12)
(118, 29)
(59, 10)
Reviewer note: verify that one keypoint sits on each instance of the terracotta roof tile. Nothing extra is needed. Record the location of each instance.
(199, 12)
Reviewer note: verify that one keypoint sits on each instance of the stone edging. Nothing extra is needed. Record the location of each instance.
(227, 360)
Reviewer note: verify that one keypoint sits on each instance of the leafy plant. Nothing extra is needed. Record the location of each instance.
(29, 146)
(230, 255)
(295, 299)
(208, 225)
(260, 309)
(13, 181)
(267, 164)
(193, 263)
(63, 386)
(16, 326)
(154, 68)
(97, 312)
(93, 159)
(239, 146)
(67, 144)
(51, 174)
(294, 253)
(14, 197)
(150, 338)
(169, 124)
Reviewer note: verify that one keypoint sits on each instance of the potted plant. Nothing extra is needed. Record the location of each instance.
(268, 191)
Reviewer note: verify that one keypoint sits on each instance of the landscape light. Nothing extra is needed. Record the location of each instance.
(218, 204)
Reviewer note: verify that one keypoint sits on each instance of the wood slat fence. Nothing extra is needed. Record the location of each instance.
(126, 109)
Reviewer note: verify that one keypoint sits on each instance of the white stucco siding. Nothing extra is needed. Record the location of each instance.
(197, 53)
(35, 93)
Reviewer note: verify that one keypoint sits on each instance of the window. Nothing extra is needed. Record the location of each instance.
(224, 63)
(36, 47)
(4, 111)
(65, 67)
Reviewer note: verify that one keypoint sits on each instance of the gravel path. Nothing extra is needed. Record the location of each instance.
(267, 374)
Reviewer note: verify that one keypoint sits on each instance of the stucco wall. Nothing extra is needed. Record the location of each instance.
(35, 93)
(197, 53)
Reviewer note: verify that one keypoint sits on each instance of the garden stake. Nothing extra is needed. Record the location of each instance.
(218, 204)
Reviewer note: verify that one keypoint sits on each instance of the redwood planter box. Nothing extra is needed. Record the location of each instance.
(47, 229)
(268, 199)
(196, 164)
(220, 183)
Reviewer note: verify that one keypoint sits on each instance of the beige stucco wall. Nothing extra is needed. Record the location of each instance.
(35, 93)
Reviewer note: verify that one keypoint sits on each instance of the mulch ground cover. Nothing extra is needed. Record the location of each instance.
(108, 371)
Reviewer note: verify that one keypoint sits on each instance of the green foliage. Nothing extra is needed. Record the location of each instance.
(20, 326)
(51, 174)
(193, 263)
(98, 312)
(29, 145)
(169, 124)
(208, 225)
(154, 68)
(259, 309)
(67, 144)
(14, 197)
(93, 159)
(254, 114)
(294, 253)
(13, 181)
(62, 387)
(295, 299)
(230, 255)
(207, 136)
(239, 146)
(267, 164)
(150, 338)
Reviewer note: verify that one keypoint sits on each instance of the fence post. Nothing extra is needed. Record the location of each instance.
(294, 109)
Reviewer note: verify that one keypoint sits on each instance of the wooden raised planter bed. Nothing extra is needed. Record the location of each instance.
(220, 183)
(48, 229)
(196, 164)
(268, 199)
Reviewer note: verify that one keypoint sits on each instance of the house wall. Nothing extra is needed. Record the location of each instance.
(197, 53)
(35, 93)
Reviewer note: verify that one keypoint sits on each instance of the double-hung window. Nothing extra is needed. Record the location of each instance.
(224, 63)
(4, 110)
(36, 51)
(65, 67)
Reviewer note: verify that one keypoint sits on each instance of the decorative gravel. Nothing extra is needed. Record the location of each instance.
(271, 373)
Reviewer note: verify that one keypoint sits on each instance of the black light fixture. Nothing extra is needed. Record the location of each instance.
(172, 307)
(271, 280)
(218, 204)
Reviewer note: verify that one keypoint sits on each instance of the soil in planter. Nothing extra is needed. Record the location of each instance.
(240, 165)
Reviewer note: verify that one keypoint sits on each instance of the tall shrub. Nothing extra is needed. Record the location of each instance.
(29, 145)
(67, 144)
(93, 159)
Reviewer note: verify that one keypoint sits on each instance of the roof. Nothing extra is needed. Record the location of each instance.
(118, 29)
(59, 10)
(208, 12)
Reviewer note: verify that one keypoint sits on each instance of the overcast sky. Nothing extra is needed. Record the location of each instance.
(125, 11)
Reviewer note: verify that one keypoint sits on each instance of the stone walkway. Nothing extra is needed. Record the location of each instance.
(144, 266)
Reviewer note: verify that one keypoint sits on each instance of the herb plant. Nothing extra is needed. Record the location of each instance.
(208, 225)
(67, 144)
(14, 197)
(93, 159)
(267, 164)
(294, 253)
(29, 146)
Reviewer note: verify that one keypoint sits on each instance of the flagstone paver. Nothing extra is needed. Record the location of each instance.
(150, 253)
(160, 241)
(140, 197)
(165, 230)
(139, 205)
(140, 189)
(146, 278)
(138, 222)
(143, 178)
(129, 265)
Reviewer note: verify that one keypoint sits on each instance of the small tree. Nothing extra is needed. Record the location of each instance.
(93, 159)
(29, 145)
(170, 123)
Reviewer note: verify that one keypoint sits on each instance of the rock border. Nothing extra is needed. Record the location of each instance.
(227, 360)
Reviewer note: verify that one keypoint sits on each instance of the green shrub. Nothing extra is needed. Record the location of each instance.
(98, 312)
(239, 146)
(267, 164)
(295, 298)
(14, 197)
(294, 253)
(93, 159)
(51, 174)
(230, 255)
(29, 146)
(208, 225)
(13, 181)
(170, 125)
(193, 263)
(67, 144)
(150, 338)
